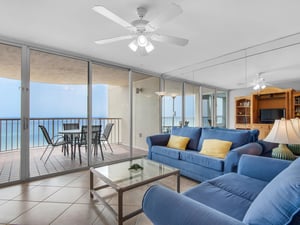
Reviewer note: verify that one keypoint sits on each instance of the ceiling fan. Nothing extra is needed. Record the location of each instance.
(259, 82)
(141, 30)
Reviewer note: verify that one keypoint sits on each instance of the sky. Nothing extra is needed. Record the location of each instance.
(52, 100)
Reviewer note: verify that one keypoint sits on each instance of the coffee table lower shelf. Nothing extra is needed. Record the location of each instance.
(120, 191)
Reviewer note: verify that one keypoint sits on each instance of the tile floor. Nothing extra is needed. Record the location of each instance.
(65, 200)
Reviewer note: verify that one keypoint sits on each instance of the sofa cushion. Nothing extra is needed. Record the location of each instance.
(279, 201)
(203, 160)
(253, 133)
(227, 192)
(238, 138)
(162, 150)
(192, 132)
(215, 148)
(178, 142)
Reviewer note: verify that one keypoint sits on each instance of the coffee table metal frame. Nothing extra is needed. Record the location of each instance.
(120, 190)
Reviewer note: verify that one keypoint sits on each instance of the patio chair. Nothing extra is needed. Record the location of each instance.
(51, 142)
(105, 136)
(71, 139)
(96, 131)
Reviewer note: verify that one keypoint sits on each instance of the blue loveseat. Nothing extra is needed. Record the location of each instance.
(265, 191)
(198, 166)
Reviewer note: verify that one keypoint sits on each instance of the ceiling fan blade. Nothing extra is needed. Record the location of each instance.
(111, 40)
(173, 11)
(113, 17)
(170, 39)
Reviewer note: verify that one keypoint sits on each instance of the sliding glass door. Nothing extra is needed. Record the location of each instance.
(10, 113)
(58, 99)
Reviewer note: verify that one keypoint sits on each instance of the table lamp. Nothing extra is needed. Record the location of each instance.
(295, 148)
(283, 133)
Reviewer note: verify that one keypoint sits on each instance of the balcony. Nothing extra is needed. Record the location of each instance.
(10, 142)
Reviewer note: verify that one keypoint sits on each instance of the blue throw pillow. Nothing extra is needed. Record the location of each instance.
(279, 201)
(192, 132)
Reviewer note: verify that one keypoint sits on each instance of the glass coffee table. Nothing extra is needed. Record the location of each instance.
(119, 177)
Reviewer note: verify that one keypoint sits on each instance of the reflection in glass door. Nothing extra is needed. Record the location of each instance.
(221, 107)
(10, 113)
(172, 106)
(207, 106)
(110, 109)
(58, 103)
(191, 105)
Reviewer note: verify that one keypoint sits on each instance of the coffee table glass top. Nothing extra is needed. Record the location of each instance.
(120, 175)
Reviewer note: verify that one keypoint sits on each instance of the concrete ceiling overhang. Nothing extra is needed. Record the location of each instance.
(56, 69)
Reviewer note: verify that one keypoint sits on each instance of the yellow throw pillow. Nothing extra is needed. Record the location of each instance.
(216, 148)
(178, 142)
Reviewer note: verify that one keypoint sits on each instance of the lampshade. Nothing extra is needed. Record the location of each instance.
(296, 125)
(283, 133)
(295, 148)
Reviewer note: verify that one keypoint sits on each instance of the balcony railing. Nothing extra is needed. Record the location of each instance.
(10, 130)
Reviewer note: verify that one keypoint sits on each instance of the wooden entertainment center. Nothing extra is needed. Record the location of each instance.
(248, 109)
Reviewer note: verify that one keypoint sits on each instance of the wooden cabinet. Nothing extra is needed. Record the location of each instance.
(271, 98)
(243, 112)
(248, 108)
(264, 129)
(296, 105)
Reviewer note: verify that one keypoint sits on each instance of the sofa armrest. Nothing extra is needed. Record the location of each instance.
(262, 168)
(164, 206)
(158, 139)
(267, 147)
(233, 157)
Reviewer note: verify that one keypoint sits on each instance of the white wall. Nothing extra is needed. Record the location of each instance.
(118, 107)
(146, 111)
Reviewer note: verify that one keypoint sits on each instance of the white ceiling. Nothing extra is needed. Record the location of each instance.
(213, 27)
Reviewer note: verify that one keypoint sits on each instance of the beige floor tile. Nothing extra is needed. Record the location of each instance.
(67, 195)
(42, 213)
(82, 181)
(60, 180)
(66, 200)
(38, 193)
(79, 214)
(11, 192)
(142, 219)
(12, 209)
(86, 199)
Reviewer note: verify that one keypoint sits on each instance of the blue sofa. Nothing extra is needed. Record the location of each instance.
(265, 191)
(198, 166)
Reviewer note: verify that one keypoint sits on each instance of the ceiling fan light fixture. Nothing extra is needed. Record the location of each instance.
(133, 45)
(149, 47)
(256, 87)
(142, 41)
